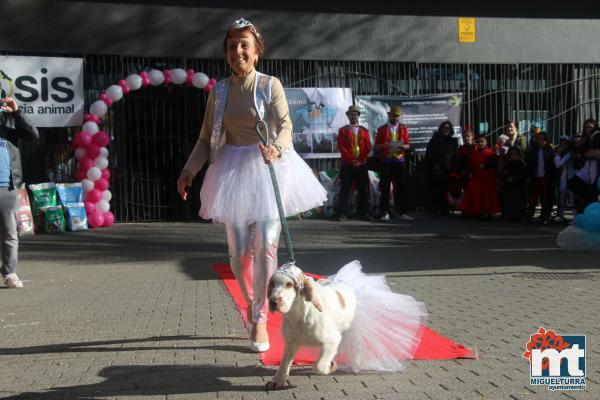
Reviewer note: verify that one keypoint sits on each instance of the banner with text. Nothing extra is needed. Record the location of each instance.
(317, 114)
(422, 115)
(48, 89)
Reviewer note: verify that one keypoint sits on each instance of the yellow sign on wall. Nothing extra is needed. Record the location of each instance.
(466, 30)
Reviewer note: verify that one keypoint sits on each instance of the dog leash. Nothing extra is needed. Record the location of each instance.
(264, 138)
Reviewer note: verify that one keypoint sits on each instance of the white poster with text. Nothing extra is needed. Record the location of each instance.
(49, 90)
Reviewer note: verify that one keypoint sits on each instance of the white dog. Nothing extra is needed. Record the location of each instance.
(315, 315)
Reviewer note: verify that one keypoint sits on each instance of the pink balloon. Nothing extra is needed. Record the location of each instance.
(91, 117)
(213, 82)
(104, 97)
(105, 173)
(93, 196)
(208, 88)
(95, 219)
(89, 207)
(145, 78)
(124, 86)
(167, 75)
(109, 218)
(190, 77)
(92, 151)
(82, 139)
(101, 139)
(80, 174)
(101, 184)
(85, 163)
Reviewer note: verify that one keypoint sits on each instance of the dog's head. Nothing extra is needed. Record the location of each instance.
(285, 286)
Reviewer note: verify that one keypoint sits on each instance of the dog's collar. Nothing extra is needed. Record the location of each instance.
(294, 273)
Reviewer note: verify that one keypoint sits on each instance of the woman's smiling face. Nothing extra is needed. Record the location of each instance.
(242, 54)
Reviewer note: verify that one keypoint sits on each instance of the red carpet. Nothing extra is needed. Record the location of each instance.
(433, 346)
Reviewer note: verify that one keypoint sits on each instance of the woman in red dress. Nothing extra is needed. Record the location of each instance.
(480, 197)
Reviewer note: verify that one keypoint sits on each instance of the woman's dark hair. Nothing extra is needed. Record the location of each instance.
(512, 121)
(448, 124)
(590, 121)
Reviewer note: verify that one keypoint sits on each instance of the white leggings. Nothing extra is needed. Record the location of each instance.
(253, 259)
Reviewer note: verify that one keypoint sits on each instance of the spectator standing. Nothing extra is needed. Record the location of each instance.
(439, 154)
(540, 175)
(481, 198)
(564, 172)
(585, 162)
(13, 127)
(392, 144)
(354, 144)
(514, 178)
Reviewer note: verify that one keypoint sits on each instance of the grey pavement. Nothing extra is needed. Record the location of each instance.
(135, 312)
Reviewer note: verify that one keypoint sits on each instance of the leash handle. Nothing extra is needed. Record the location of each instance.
(262, 130)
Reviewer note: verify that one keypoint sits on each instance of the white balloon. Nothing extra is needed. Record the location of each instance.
(90, 127)
(98, 108)
(156, 77)
(103, 205)
(134, 81)
(178, 76)
(101, 162)
(94, 174)
(200, 80)
(79, 153)
(87, 185)
(107, 195)
(114, 92)
(103, 151)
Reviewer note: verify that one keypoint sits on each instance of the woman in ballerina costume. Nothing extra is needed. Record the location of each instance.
(237, 189)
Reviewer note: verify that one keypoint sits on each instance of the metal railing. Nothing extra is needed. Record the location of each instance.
(153, 130)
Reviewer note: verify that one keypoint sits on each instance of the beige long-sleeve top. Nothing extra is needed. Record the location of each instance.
(240, 118)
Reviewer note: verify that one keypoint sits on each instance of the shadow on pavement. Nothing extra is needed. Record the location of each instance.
(143, 380)
(111, 346)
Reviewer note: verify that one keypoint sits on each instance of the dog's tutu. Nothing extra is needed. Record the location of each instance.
(387, 326)
(237, 188)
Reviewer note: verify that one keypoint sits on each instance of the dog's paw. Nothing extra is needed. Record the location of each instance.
(332, 367)
(276, 384)
(325, 369)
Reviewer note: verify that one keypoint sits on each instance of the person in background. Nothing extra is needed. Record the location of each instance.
(461, 158)
(514, 194)
(392, 144)
(439, 154)
(13, 127)
(540, 175)
(237, 189)
(481, 198)
(586, 156)
(564, 169)
(511, 129)
(354, 144)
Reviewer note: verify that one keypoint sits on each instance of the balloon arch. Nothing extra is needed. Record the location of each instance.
(91, 143)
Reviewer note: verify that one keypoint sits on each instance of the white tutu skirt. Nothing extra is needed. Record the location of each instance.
(387, 326)
(237, 188)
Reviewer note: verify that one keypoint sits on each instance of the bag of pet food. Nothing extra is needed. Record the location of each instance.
(69, 193)
(54, 219)
(44, 195)
(23, 214)
(76, 217)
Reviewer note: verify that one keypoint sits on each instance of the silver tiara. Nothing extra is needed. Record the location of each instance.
(294, 273)
(244, 23)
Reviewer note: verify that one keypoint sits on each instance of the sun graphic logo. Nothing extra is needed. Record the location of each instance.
(556, 360)
(6, 85)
